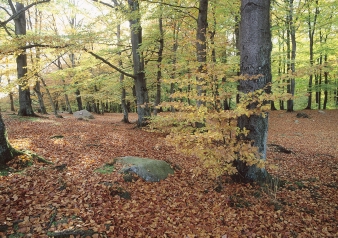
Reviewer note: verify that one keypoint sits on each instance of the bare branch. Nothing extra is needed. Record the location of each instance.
(12, 6)
(6, 10)
(171, 5)
(108, 63)
(104, 3)
(36, 45)
(15, 13)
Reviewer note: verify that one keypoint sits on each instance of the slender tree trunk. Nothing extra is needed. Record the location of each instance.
(326, 82)
(176, 29)
(123, 88)
(159, 62)
(319, 82)
(311, 30)
(11, 101)
(68, 106)
(291, 81)
(37, 90)
(49, 96)
(255, 46)
(78, 99)
(77, 91)
(214, 79)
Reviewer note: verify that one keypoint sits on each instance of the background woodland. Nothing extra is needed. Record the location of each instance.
(79, 54)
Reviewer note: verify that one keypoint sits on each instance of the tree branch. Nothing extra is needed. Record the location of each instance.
(36, 45)
(171, 5)
(15, 13)
(108, 63)
(106, 4)
(12, 6)
(9, 14)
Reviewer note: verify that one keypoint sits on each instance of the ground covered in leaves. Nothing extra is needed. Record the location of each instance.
(72, 198)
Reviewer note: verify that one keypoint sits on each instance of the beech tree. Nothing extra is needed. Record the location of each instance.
(255, 67)
(6, 151)
(19, 18)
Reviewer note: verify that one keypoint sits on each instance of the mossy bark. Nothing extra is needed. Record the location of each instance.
(7, 152)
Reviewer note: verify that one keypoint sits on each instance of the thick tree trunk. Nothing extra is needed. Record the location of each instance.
(142, 99)
(255, 46)
(21, 62)
(201, 47)
(7, 153)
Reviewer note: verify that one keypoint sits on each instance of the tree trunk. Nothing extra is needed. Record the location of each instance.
(69, 108)
(159, 71)
(49, 96)
(311, 30)
(11, 101)
(291, 81)
(25, 101)
(123, 88)
(255, 46)
(176, 28)
(78, 99)
(138, 65)
(72, 59)
(201, 47)
(40, 97)
(7, 153)
(326, 82)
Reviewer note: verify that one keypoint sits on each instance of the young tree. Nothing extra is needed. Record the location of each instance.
(255, 66)
(312, 26)
(140, 82)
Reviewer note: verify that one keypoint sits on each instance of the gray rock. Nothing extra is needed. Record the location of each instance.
(149, 169)
(84, 114)
(302, 115)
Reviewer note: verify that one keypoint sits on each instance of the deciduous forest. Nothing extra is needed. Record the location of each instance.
(168, 118)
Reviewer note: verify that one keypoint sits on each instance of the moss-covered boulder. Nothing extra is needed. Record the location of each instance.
(149, 169)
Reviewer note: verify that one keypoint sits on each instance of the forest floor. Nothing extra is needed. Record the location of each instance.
(70, 199)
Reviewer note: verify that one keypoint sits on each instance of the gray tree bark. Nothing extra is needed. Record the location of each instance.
(292, 55)
(123, 88)
(49, 97)
(7, 153)
(201, 47)
(255, 47)
(159, 62)
(142, 99)
(40, 97)
(25, 101)
(312, 22)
